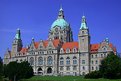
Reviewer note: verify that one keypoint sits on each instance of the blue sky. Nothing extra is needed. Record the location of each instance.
(34, 18)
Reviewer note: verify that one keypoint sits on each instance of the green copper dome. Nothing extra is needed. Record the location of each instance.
(60, 22)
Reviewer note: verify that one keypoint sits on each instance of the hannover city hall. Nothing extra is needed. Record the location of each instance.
(60, 55)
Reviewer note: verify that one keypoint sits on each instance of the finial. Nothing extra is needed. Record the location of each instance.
(61, 9)
(32, 39)
(18, 28)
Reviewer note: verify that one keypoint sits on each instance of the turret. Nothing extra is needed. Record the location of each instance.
(83, 36)
(17, 43)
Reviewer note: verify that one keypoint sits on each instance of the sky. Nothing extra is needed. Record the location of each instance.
(35, 17)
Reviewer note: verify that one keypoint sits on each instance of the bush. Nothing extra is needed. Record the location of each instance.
(93, 75)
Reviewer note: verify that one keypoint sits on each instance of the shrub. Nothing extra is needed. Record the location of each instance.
(93, 75)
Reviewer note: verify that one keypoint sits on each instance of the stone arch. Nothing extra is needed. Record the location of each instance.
(40, 71)
(49, 70)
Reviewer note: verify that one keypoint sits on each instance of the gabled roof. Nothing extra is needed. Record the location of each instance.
(23, 50)
(45, 43)
(70, 45)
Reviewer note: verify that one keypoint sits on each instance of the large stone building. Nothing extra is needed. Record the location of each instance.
(60, 55)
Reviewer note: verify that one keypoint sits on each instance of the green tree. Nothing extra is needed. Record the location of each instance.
(111, 67)
(15, 71)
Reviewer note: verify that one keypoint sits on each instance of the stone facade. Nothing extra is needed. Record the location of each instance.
(60, 55)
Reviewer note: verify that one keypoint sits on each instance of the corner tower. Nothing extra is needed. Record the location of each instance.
(17, 43)
(84, 47)
(60, 29)
(84, 36)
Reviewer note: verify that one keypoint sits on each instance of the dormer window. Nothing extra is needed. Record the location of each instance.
(67, 50)
(61, 50)
(74, 50)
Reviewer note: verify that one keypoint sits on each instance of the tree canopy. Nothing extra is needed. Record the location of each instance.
(111, 66)
(15, 71)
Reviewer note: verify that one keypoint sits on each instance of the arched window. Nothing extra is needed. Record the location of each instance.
(49, 60)
(67, 60)
(40, 61)
(61, 61)
(74, 60)
(31, 61)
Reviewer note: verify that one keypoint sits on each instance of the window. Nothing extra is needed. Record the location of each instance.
(82, 32)
(83, 68)
(40, 61)
(67, 50)
(31, 61)
(67, 68)
(74, 60)
(67, 60)
(96, 68)
(83, 61)
(101, 55)
(96, 56)
(61, 68)
(92, 56)
(96, 62)
(74, 67)
(49, 60)
(92, 61)
(74, 50)
(61, 61)
(92, 68)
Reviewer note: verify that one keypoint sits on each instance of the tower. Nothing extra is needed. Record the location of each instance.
(84, 47)
(17, 43)
(83, 36)
(60, 29)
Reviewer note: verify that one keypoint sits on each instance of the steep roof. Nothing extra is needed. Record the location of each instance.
(70, 45)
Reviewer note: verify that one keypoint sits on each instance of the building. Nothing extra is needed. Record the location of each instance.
(60, 55)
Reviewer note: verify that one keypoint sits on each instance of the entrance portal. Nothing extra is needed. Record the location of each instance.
(49, 70)
(40, 71)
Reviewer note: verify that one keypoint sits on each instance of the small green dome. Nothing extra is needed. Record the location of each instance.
(60, 22)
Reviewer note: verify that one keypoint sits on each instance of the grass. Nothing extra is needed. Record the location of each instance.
(64, 78)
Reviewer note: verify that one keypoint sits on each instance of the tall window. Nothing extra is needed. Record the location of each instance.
(40, 61)
(67, 60)
(83, 61)
(92, 61)
(74, 60)
(61, 61)
(96, 62)
(31, 61)
(49, 60)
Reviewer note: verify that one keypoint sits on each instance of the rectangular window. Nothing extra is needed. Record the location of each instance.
(67, 68)
(74, 61)
(83, 61)
(75, 68)
(61, 62)
(61, 68)
(68, 62)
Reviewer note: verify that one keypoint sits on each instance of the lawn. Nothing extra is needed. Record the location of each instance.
(64, 78)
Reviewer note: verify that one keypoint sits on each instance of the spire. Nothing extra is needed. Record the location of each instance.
(61, 13)
(83, 23)
(18, 34)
